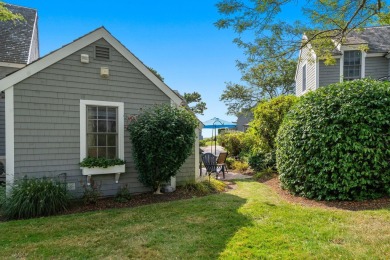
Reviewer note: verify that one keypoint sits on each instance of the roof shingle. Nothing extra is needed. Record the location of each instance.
(16, 36)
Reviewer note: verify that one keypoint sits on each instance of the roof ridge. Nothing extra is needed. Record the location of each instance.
(376, 26)
(36, 10)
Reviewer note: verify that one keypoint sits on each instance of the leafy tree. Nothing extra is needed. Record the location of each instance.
(323, 21)
(199, 107)
(268, 117)
(7, 15)
(155, 72)
(264, 81)
(162, 139)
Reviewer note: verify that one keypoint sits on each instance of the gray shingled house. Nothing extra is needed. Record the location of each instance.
(53, 103)
(351, 61)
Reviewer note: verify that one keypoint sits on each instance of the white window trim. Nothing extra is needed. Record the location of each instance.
(83, 125)
(363, 63)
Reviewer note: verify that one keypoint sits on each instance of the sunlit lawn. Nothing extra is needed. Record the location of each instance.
(249, 222)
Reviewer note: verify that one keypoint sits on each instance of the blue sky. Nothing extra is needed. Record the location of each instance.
(177, 38)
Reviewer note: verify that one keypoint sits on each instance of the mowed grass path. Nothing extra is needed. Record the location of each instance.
(250, 222)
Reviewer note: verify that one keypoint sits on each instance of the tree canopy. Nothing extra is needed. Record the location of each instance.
(265, 80)
(7, 15)
(194, 98)
(323, 21)
(271, 43)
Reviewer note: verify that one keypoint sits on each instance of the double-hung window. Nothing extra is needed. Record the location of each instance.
(101, 129)
(352, 65)
(102, 132)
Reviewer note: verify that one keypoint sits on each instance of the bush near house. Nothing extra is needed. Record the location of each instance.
(268, 117)
(162, 139)
(334, 143)
(32, 198)
(233, 142)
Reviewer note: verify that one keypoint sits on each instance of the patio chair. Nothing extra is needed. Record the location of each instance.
(221, 162)
(210, 163)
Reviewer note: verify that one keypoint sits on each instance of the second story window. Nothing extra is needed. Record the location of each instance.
(304, 78)
(352, 65)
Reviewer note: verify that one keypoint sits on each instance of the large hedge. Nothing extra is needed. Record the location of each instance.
(335, 142)
(162, 139)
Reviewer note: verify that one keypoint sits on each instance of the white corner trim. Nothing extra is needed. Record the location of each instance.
(317, 73)
(342, 66)
(363, 68)
(32, 38)
(78, 44)
(197, 130)
(83, 125)
(12, 65)
(9, 140)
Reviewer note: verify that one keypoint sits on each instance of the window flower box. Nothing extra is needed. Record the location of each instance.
(116, 169)
(96, 166)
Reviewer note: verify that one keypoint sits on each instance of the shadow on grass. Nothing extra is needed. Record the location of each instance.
(198, 227)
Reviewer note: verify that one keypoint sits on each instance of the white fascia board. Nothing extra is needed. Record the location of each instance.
(78, 44)
(382, 54)
(12, 65)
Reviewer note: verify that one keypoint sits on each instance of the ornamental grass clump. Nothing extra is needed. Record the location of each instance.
(334, 143)
(162, 139)
(36, 198)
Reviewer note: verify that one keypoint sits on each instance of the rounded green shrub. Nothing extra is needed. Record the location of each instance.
(232, 141)
(36, 198)
(162, 138)
(268, 116)
(335, 142)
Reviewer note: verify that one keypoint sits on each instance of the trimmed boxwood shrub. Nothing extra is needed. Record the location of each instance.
(334, 143)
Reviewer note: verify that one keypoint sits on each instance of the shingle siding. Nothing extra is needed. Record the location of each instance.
(4, 71)
(377, 67)
(306, 58)
(47, 116)
(329, 74)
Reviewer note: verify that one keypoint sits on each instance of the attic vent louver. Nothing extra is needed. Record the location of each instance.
(102, 53)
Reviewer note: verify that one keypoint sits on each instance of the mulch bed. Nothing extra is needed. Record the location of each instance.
(139, 200)
(274, 183)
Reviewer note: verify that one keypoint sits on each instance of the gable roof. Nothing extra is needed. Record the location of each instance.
(377, 38)
(66, 50)
(16, 36)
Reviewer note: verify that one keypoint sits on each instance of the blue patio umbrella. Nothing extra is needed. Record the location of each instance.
(214, 124)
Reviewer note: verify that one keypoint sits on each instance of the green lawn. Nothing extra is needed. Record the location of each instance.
(249, 222)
